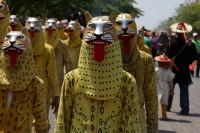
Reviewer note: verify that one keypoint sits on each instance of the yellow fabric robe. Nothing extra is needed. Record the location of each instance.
(20, 87)
(141, 66)
(61, 54)
(142, 46)
(74, 45)
(63, 35)
(4, 24)
(44, 58)
(98, 96)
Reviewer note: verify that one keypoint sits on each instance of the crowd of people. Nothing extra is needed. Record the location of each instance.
(100, 77)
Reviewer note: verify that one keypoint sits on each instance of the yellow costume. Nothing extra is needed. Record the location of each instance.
(60, 49)
(99, 96)
(63, 35)
(74, 42)
(15, 24)
(4, 21)
(140, 41)
(141, 66)
(44, 58)
(21, 91)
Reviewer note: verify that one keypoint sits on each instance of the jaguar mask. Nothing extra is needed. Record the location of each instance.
(15, 44)
(99, 32)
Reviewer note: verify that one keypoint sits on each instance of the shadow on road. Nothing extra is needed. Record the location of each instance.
(164, 131)
(190, 114)
(174, 120)
(194, 115)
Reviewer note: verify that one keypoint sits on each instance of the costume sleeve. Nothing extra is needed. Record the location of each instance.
(52, 72)
(63, 122)
(39, 107)
(151, 98)
(131, 111)
(67, 60)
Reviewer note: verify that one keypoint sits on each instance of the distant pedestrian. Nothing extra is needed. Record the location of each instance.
(154, 40)
(196, 41)
(163, 42)
(147, 41)
(182, 52)
(164, 82)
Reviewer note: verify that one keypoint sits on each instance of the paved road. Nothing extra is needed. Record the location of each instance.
(176, 123)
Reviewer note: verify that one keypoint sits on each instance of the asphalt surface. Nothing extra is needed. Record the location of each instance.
(176, 123)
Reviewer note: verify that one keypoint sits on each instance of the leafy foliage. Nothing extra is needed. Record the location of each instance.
(188, 13)
(69, 9)
(105, 7)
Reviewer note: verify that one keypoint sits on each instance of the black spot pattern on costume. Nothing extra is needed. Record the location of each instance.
(91, 115)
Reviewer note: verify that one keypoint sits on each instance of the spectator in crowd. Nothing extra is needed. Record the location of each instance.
(65, 23)
(182, 52)
(164, 82)
(147, 41)
(163, 42)
(197, 44)
(154, 40)
(171, 37)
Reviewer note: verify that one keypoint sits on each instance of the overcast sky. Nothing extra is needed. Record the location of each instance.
(156, 11)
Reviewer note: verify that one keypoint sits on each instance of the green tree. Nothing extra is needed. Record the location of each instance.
(188, 12)
(61, 8)
(105, 7)
(48, 8)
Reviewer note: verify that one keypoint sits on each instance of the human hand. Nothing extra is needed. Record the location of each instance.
(171, 92)
(55, 104)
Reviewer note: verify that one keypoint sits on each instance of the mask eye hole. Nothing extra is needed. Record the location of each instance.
(8, 36)
(140, 32)
(36, 22)
(1, 7)
(91, 26)
(130, 22)
(20, 37)
(107, 26)
(118, 22)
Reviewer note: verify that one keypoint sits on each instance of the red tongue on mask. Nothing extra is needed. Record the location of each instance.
(50, 32)
(126, 41)
(69, 33)
(13, 57)
(32, 33)
(13, 27)
(98, 52)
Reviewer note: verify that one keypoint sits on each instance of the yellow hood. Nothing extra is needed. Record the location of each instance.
(129, 58)
(74, 38)
(100, 78)
(19, 77)
(37, 43)
(62, 34)
(4, 23)
(53, 38)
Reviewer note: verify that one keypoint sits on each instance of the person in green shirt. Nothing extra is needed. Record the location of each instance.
(196, 41)
(147, 41)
